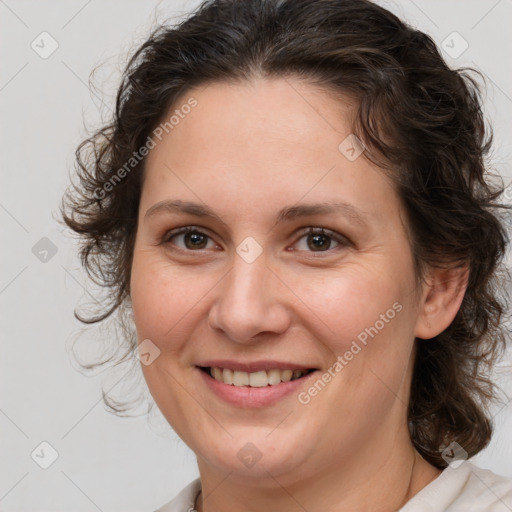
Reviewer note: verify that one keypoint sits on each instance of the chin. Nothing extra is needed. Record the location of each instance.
(256, 456)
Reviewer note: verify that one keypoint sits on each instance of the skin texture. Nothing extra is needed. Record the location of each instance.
(246, 151)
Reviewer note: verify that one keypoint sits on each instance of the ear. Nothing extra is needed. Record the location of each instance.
(441, 299)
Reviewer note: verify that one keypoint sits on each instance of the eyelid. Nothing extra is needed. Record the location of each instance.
(342, 240)
(313, 230)
(183, 230)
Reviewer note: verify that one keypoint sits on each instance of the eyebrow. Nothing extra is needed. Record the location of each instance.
(288, 213)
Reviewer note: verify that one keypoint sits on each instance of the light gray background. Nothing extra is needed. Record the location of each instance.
(107, 463)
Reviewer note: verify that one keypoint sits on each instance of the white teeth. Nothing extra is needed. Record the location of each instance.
(286, 375)
(239, 378)
(274, 377)
(227, 376)
(256, 379)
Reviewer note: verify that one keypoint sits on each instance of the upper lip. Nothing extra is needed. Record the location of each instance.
(253, 366)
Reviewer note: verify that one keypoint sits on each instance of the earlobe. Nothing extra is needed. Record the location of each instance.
(442, 298)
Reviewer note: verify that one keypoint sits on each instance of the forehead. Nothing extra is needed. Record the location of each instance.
(269, 141)
(277, 118)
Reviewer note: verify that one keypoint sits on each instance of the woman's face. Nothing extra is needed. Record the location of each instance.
(249, 287)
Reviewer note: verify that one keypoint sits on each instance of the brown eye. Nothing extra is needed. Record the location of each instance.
(193, 239)
(321, 240)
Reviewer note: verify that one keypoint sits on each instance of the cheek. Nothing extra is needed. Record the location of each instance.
(156, 302)
(166, 300)
(348, 304)
(366, 319)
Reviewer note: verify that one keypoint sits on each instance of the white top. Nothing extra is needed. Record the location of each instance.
(466, 488)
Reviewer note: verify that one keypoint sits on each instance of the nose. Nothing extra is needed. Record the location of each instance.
(249, 302)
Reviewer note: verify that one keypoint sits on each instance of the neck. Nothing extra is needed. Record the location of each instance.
(374, 487)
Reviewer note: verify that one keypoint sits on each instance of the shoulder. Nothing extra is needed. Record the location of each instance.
(185, 500)
(465, 488)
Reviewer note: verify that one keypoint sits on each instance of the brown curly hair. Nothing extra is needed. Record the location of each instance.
(421, 122)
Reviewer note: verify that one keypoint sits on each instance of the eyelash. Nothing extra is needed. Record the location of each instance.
(340, 239)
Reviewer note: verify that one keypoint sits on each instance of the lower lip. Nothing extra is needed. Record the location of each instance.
(249, 397)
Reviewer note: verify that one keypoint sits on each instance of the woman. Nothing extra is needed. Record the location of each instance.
(292, 203)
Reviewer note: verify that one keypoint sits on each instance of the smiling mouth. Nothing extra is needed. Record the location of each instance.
(257, 379)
